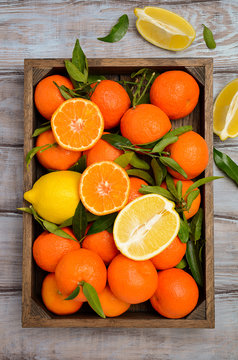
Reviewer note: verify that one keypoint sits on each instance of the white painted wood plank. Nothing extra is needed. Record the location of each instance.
(46, 29)
(117, 344)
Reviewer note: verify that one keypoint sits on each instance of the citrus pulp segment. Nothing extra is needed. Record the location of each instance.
(225, 112)
(164, 28)
(104, 188)
(145, 227)
(77, 124)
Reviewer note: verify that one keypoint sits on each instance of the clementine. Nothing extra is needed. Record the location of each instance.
(170, 256)
(111, 305)
(135, 185)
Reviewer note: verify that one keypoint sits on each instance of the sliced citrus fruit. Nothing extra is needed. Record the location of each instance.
(225, 112)
(164, 28)
(104, 188)
(77, 124)
(145, 227)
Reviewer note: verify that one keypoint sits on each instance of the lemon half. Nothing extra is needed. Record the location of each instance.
(146, 226)
(225, 112)
(164, 28)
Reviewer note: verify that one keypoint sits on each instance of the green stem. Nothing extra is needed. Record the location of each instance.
(146, 87)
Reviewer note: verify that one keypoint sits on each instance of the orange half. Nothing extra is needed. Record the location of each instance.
(77, 124)
(104, 188)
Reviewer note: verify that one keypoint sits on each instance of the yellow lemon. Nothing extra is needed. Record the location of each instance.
(145, 227)
(55, 196)
(164, 28)
(225, 112)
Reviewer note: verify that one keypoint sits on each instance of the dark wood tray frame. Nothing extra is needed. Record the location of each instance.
(34, 314)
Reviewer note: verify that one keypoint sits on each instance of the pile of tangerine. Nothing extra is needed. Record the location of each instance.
(77, 126)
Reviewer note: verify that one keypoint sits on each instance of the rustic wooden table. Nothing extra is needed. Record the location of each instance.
(48, 29)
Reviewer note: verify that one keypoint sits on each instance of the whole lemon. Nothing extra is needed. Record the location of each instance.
(55, 196)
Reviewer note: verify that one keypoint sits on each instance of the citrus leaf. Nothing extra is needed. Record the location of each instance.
(78, 57)
(191, 197)
(226, 164)
(91, 217)
(80, 165)
(79, 222)
(66, 223)
(74, 72)
(161, 145)
(182, 264)
(171, 163)
(179, 186)
(156, 190)
(74, 294)
(54, 229)
(93, 300)
(139, 163)
(116, 140)
(201, 182)
(170, 186)
(27, 210)
(194, 262)
(158, 172)
(178, 131)
(196, 225)
(141, 174)
(118, 31)
(102, 223)
(149, 145)
(208, 37)
(124, 159)
(41, 130)
(183, 233)
(64, 93)
(35, 150)
(92, 78)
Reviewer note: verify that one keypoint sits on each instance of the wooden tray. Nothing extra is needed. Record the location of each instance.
(34, 313)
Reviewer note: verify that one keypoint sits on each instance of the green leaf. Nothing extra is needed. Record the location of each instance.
(124, 159)
(141, 174)
(74, 72)
(91, 217)
(208, 37)
(161, 145)
(156, 190)
(226, 164)
(182, 264)
(79, 222)
(139, 163)
(201, 182)
(118, 31)
(196, 225)
(116, 140)
(178, 131)
(170, 186)
(78, 57)
(171, 163)
(191, 197)
(93, 300)
(80, 165)
(149, 145)
(139, 72)
(102, 223)
(41, 130)
(92, 78)
(35, 150)
(179, 186)
(158, 172)
(27, 210)
(194, 262)
(66, 223)
(54, 229)
(74, 294)
(64, 93)
(183, 233)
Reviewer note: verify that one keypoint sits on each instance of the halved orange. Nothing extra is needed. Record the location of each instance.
(77, 124)
(104, 188)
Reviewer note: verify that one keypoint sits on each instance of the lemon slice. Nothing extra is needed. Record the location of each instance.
(145, 227)
(164, 28)
(225, 112)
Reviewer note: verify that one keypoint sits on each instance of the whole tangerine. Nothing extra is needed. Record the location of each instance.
(80, 265)
(111, 305)
(176, 294)
(55, 158)
(49, 248)
(47, 97)
(175, 92)
(113, 101)
(132, 281)
(135, 185)
(170, 256)
(144, 123)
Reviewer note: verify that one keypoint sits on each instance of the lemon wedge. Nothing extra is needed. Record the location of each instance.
(164, 28)
(225, 112)
(145, 227)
